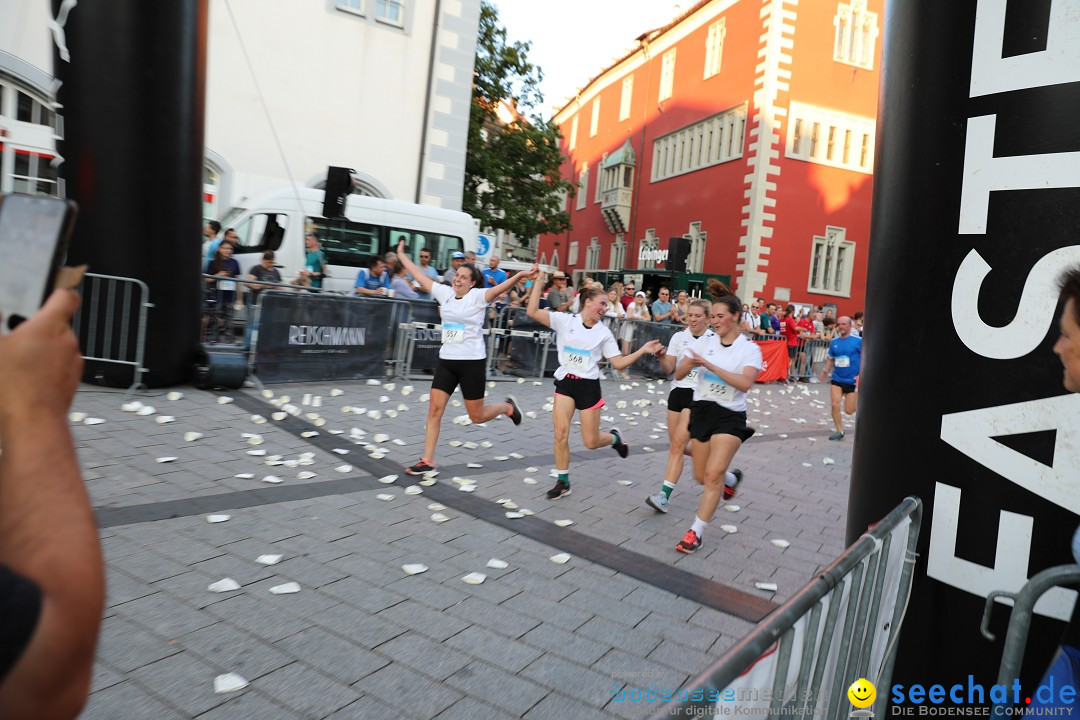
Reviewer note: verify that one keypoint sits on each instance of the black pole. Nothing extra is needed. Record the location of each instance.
(133, 105)
(976, 210)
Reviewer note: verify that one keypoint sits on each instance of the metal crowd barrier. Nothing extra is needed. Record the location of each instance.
(800, 660)
(809, 359)
(111, 322)
(1023, 610)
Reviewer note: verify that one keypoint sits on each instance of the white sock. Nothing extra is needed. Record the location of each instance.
(699, 526)
(730, 480)
(669, 485)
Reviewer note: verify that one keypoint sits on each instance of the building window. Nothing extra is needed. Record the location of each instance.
(29, 109)
(33, 173)
(714, 47)
(711, 141)
(648, 243)
(592, 255)
(667, 75)
(600, 186)
(594, 122)
(856, 34)
(627, 97)
(353, 6)
(814, 135)
(573, 132)
(582, 186)
(571, 257)
(391, 11)
(831, 260)
(695, 259)
(618, 254)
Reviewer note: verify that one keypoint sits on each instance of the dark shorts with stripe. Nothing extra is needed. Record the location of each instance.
(470, 374)
(586, 393)
(708, 418)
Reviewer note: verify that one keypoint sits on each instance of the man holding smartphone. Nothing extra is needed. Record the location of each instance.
(52, 588)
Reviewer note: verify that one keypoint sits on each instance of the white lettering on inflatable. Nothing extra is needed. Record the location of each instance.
(1034, 313)
(1010, 570)
(1058, 63)
(984, 173)
(971, 431)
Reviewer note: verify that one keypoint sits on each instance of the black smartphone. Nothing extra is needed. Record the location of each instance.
(34, 234)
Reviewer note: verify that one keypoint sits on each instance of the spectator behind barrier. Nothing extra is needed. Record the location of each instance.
(374, 280)
(52, 585)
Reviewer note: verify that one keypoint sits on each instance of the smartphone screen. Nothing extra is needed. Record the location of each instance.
(33, 233)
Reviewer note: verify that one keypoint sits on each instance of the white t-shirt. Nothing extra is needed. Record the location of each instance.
(581, 348)
(462, 323)
(681, 342)
(743, 353)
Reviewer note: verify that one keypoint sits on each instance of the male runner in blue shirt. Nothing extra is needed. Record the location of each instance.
(845, 357)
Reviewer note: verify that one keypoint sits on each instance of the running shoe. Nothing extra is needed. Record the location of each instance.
(689, 543)
(560, 490)
(837, 436)
(658, 502)
(516, 414)
(619, 446)
(729, 490)
(420, 468)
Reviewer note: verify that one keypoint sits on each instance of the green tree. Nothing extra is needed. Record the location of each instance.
(512, 169)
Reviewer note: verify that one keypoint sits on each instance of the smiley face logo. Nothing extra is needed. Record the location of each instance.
(862, 693)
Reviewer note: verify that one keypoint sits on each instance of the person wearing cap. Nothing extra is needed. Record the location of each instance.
(456, 261)
(559, 298)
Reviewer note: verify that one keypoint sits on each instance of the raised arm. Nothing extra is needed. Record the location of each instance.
(494, 292)
(533, 310)
(47, 529)
(621, 362)
(418, 275)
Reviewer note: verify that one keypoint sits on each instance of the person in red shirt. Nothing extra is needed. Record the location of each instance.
(806, 334)
(628, 295)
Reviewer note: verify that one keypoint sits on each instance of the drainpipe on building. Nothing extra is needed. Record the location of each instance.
(630, 252)
(427, 100)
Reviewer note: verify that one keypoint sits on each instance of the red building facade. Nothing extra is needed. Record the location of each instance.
(746, 127)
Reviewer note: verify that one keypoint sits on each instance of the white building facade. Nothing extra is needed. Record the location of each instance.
(293, 86)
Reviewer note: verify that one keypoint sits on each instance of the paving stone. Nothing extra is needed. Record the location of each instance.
(511, 693)
(394, 683)
(366, 630)
(471, 709)
(136, 704)
(260, 619)
(572, 646)
(556, 706)
(309, 692)
(436, 625)
(579, 682)
(494, 617)
(433, 659)
(334, 656)
(127, 646)
(240, 652)
(251, 705)
(494, 649)
(185, 681)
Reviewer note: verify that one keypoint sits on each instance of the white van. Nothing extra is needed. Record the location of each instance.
(279, 220)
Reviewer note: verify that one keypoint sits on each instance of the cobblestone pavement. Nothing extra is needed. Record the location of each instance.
(536, 639)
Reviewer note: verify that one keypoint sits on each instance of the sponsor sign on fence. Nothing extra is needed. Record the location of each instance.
(304, 336)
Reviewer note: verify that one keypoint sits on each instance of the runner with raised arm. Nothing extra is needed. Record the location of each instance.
(727, 365)
(583, 340)
(463, 355)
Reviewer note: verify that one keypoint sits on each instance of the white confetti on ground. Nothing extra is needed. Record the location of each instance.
(474, 578)
(269, 559)
(229, 682)
(223, 585)
(286, 588)
(217, 518)
(560, 559)
(497, 564)
(414, 568)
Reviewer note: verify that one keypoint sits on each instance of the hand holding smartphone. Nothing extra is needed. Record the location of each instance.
(34, 234)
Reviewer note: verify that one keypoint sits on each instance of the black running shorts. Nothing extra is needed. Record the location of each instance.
(680, 399)
(846, 387)
(470, 374)
(586, 393)
(708, 418)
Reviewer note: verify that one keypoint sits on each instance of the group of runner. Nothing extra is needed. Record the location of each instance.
(714, 367)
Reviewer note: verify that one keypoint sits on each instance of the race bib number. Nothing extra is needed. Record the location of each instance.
(715, 389)
(226, 285)
(453, 333)
(842, 361)
(575, 359)
(693, 375)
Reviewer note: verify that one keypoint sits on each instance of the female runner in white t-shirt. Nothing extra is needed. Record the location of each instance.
(583, 340)
(463, 355)
(727, 365)
(681, 397)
